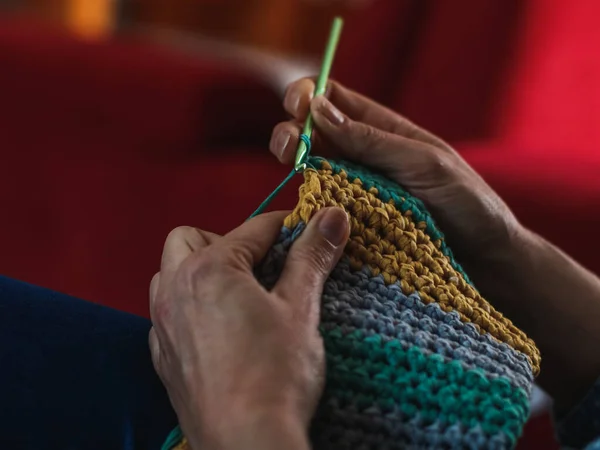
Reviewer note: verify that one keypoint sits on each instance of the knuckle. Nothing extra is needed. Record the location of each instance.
(290, 87)
(200, 265)
(180, 233)
(209, 263)
(237, 253)
(438, 164)
(288, 100)
(371, 135)
(154, 281)
(280, 128)
(236, 258)
(294, 92)
(366, 140)
(192, 275)
(410, 130)
(161, 314)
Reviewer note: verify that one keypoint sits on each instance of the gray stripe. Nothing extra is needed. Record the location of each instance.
(357, 300)
(344, 428)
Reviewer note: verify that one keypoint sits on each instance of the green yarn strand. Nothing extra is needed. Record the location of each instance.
(265, 204)
(175, 437)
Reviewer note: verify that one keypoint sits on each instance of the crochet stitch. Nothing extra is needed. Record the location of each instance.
(416, 358)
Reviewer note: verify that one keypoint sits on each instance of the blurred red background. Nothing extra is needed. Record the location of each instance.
(122, 120)
(293, 26)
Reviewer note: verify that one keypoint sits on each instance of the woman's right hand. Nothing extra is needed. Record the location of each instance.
(477, 223)
(547, 294)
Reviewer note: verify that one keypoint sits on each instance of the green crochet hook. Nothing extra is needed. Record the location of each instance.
(305, 138)
(305, 143)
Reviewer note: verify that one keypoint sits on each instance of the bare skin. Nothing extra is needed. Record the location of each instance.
(259, 384)
(244, 366)
(551, 297)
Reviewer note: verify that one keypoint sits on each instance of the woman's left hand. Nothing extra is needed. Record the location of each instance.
(243, 366)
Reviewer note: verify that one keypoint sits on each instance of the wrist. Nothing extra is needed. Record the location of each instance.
(266, 429)
(555, 301)
(500, 260)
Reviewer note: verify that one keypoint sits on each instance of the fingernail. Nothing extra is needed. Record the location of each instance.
(281, 142)
(333, 225)
(330, 112)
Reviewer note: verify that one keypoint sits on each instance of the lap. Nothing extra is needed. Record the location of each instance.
(76, 375)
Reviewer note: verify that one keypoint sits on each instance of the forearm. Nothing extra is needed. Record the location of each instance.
(255, 432)
(557, 302)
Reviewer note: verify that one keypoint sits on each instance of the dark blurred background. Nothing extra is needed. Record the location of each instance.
(122, 119)
(281, 26)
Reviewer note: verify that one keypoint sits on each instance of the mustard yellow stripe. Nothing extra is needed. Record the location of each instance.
(183, 445)
(392, 244)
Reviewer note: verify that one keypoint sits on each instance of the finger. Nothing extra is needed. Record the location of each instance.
(247, 245)
(154, 289)
(362, 109)
(297, 98)
(312, 257)
(389, 153)
(285, 139)
(180, 243)
(356, 106)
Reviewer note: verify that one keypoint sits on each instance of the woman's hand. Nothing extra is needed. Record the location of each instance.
(475, 220)
(243, 366)
(550, 296)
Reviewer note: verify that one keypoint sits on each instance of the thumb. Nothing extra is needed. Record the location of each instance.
(312, 257)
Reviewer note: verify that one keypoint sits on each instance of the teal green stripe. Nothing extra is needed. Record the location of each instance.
(388, 190)
(367, 371)
(173, 439)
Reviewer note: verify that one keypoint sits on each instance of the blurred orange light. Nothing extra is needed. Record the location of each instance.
(91, 18)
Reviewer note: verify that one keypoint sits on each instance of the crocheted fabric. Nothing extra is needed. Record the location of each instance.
(416, 358)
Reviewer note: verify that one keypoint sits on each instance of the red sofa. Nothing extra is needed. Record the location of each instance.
(514, 85)
(106, 146)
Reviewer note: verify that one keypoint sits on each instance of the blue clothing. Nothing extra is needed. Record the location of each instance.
(581, 427)
(76, 375)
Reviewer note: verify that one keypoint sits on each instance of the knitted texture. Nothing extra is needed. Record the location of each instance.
(416, 358)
